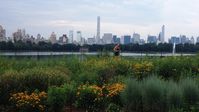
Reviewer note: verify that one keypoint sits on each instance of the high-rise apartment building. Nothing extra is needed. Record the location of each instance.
(98, 31)
(175, 40)
(136, 38)
(126, 39)
(91, 41)
(192, 40)
(18, 35)
(2, 34)
(53, 39)
(183, 39)
(39, 38)
(63, 39)
(79, 37)
(197, 39)
(107, 38)
(151, 39)
(71, 36)
(162, 34)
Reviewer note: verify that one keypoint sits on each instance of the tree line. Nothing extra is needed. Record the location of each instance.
(47, 46)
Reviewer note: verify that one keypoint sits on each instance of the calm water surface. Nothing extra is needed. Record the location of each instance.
(87, 53)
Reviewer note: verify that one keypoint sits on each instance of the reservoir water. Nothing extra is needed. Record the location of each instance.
(127, 54)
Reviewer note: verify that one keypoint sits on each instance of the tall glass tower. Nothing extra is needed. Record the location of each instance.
(71, 36)
(162, 34)
(98, 30)
(79, 37)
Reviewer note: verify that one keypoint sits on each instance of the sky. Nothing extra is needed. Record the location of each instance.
(120, 17)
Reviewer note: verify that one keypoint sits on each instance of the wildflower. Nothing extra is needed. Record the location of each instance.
(24, 100)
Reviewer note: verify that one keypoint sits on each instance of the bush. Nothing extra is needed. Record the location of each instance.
(142, 70)
(190, 93)
(34, 102)
(132, 96)
(173, 67)
(90, 98)
(56, 98)
(87, 77)
(9, 83)
(113, 108)
(121, 66)
(71, 90)
(174, 96)
(154, 95)
(106, 68)
(113, 92)
(31, 79)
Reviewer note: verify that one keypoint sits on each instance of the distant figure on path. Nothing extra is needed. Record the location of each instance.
(117, 50)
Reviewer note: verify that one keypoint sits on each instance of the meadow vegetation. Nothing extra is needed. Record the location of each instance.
(107, 84)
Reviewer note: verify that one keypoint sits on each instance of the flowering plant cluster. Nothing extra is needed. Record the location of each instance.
(140, 69)
(94, 97)
(26, 102)
(114, 89)
(89, 97)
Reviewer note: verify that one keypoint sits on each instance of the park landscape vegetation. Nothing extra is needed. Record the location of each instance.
(99, 84)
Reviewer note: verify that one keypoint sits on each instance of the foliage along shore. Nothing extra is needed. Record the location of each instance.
(109, 84)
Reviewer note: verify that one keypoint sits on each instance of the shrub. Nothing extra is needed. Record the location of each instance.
(121, 66)
(141, 70)
(173, 67)
(105, 75)
(119, 78)
(190, 93)
(113, 92)
(176, 110)
(113, 108)
(9, 83)
(34, 102)
(174, 96)
(104, 69)
(154, 95)
(87, 77)
(71, 90)
(132, 96)
(31, 79)
(56, 98)
(90, 98)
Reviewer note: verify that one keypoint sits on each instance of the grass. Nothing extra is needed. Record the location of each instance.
(162, 84)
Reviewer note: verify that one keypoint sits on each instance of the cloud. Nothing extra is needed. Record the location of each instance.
(117, 16)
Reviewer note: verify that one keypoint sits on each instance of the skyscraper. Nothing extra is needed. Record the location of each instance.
(192, 40)
(151, 39)
(197, 39)
(71, 36)
(114, 40)
(38, 39)
(53, 39)
(175, 40)
(79, 37)
(18, 35)
(126, 39)
(162, 34)
(2, 34)
(98, 30)
(107, 38)
(136, 38)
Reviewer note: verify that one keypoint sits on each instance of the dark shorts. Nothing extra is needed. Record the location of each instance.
(116, 53)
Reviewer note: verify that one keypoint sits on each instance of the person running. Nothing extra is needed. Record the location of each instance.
(117, 50)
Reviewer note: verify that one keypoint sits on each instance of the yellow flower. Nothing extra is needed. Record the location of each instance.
(33, 100)
(115, 89)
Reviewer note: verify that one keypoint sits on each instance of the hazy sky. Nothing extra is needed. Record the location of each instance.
(117, 16)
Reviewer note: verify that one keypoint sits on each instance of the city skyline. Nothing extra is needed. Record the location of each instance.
(107, 38)
(119, 17)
